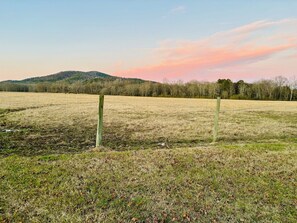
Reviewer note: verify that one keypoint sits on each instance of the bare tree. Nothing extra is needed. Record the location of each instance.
(292, 86)
(280, 82)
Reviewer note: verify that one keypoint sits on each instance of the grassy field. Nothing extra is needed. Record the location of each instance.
(157, 163)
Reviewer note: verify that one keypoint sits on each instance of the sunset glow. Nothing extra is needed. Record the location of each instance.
(175, 41)
(221, 53)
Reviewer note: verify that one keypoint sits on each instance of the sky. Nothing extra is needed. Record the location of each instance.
(160, 40)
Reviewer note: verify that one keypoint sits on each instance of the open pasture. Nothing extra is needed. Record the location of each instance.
(157, 163)
(44, 123)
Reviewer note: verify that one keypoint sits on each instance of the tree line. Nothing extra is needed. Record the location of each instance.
(279, 88)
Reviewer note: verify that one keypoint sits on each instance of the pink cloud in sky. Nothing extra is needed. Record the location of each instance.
(243, 48)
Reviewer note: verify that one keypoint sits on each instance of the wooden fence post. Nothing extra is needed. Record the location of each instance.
(100, 121)
(216, 120)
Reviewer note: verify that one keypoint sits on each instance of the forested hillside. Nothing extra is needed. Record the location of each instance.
(68, 76)
(279, 88)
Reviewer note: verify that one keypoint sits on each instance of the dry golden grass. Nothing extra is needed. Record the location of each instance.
(140, 122)
(50, 171)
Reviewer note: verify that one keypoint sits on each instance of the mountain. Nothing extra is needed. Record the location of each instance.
(68, 76)
(71, 77)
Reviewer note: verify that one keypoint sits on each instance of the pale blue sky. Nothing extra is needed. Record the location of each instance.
(38, 37)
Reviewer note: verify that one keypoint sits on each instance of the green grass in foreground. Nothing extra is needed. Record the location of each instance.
(251, 183)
